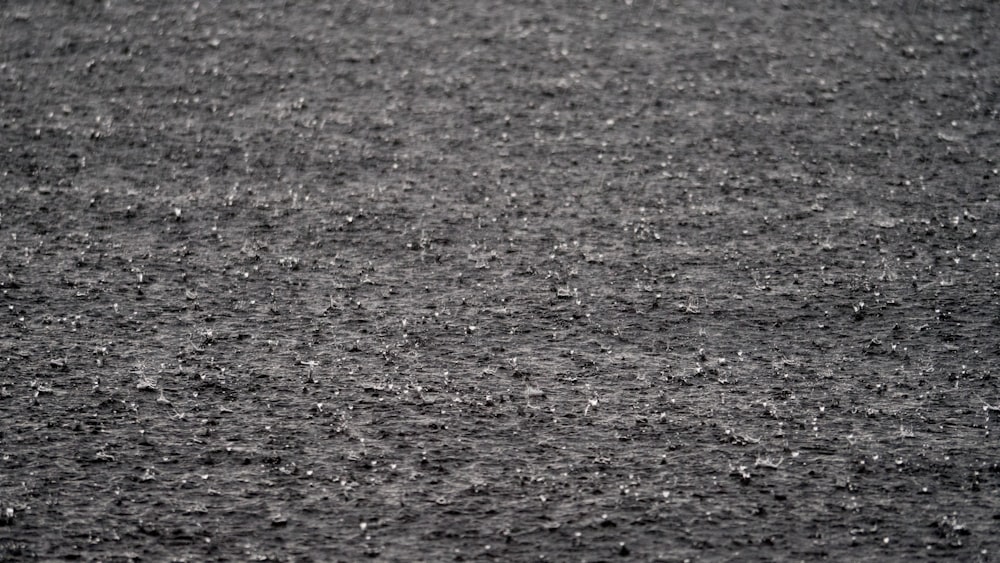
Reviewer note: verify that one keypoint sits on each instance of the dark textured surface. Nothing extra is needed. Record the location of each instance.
(499, 280)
